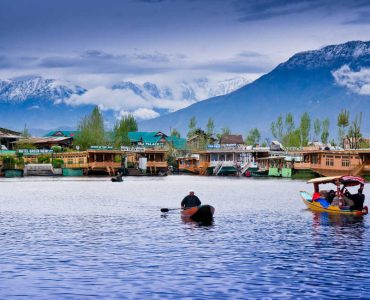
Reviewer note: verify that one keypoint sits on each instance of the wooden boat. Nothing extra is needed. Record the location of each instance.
(202, 213)
(339, 181)
(117, 179)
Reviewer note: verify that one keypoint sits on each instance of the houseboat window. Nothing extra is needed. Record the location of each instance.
(330, 162)
(81, 160)
(345, 162)
(337, 157)
(314, 159)
(70, 161)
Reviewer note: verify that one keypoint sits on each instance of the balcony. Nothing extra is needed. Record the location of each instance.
(104, 165)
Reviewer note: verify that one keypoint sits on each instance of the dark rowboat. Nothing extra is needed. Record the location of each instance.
(116, 179)
(202, 213)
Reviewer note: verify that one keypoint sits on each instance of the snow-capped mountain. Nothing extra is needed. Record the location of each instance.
(329, 56)
(21, 89)
(195, 90)
(320, 82)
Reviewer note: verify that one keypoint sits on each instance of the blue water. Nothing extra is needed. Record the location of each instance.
(90, 238)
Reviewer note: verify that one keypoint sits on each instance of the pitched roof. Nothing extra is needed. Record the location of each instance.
(231, 139)
(178, 143)
(7, 133)
(145, 137)
(65, 133)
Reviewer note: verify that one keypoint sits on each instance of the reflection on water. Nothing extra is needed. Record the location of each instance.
(326, 219)
(71, 239)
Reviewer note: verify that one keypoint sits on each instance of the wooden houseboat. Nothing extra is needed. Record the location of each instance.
(234, 160)
(195, 164)
(144, 161)
(335, 162)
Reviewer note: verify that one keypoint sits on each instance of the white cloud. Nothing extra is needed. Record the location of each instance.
(140, 113)
(358, 82)
(127, 102)
(109, 99)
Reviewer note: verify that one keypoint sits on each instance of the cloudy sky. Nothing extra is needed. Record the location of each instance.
(96, 43)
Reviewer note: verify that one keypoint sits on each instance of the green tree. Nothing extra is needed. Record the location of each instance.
(91, 130)
(317, 129)
(224, 131)
(175, 133)
(342, 123)
(354, 132)
(253, 137)
(304, 128)
(325, 131)
(277, 128)
(210, 127)
(192, 126)
(121, 129)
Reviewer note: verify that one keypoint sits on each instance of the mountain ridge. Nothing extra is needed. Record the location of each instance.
(291, 87)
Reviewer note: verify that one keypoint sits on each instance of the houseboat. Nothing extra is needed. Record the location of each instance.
(197, 163)
(234, 160)
(335, 162)
(144, 161)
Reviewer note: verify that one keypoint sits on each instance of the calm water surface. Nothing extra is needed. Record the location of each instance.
(87, 238)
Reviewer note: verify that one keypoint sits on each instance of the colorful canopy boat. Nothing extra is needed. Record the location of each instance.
(202, 213)
(338, 206)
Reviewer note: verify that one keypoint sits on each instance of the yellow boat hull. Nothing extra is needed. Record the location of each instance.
(316, 206)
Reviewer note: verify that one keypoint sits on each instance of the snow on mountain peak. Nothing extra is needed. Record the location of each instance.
(35, 87)
(327, 55)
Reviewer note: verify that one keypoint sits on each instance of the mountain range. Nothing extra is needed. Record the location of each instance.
(320, 82)
(43, 104)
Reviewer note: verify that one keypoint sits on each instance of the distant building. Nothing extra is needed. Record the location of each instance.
(352, 143)
(8, 137)
(155, 139)
(45, 142)
(231, 139)
(62, 133)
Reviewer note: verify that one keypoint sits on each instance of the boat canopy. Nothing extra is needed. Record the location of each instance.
(346, 180)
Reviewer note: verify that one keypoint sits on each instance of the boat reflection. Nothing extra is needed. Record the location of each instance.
(189, 221)
(337, 220)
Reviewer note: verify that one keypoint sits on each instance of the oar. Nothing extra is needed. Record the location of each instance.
(169, 209)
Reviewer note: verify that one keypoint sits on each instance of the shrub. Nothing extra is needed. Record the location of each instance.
(58, 163)
(43, 159)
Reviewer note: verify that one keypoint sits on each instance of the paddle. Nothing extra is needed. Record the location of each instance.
(169, 209)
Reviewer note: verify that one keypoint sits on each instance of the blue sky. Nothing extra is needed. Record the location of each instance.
(96, 43)
(102, 41)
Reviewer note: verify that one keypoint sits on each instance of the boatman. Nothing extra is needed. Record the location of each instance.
(190, 201)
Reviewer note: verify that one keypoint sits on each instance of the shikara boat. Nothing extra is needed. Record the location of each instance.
(338, 207)
(202, 213)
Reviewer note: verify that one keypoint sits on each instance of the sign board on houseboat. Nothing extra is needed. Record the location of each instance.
(101, 148)
(133, 149)
(35, 151)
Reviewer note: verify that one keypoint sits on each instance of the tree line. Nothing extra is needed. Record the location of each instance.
(91, 131)
(284, 129)
(288, 132)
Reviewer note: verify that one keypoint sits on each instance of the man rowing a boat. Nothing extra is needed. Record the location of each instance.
(190, 201)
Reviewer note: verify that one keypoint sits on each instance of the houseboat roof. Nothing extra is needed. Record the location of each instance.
(231, 139)
(42, 140)
(62, 133)
(238, 149)
(9, 134)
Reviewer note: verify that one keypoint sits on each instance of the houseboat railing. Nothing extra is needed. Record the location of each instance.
(158, 164)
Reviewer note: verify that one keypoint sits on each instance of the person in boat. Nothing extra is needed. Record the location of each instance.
(190, 201)
(357, 199)
(331, 196)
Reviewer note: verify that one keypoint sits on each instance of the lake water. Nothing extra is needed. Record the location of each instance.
(69, 238)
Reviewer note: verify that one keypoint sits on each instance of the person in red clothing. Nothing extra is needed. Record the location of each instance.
(316, 195)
